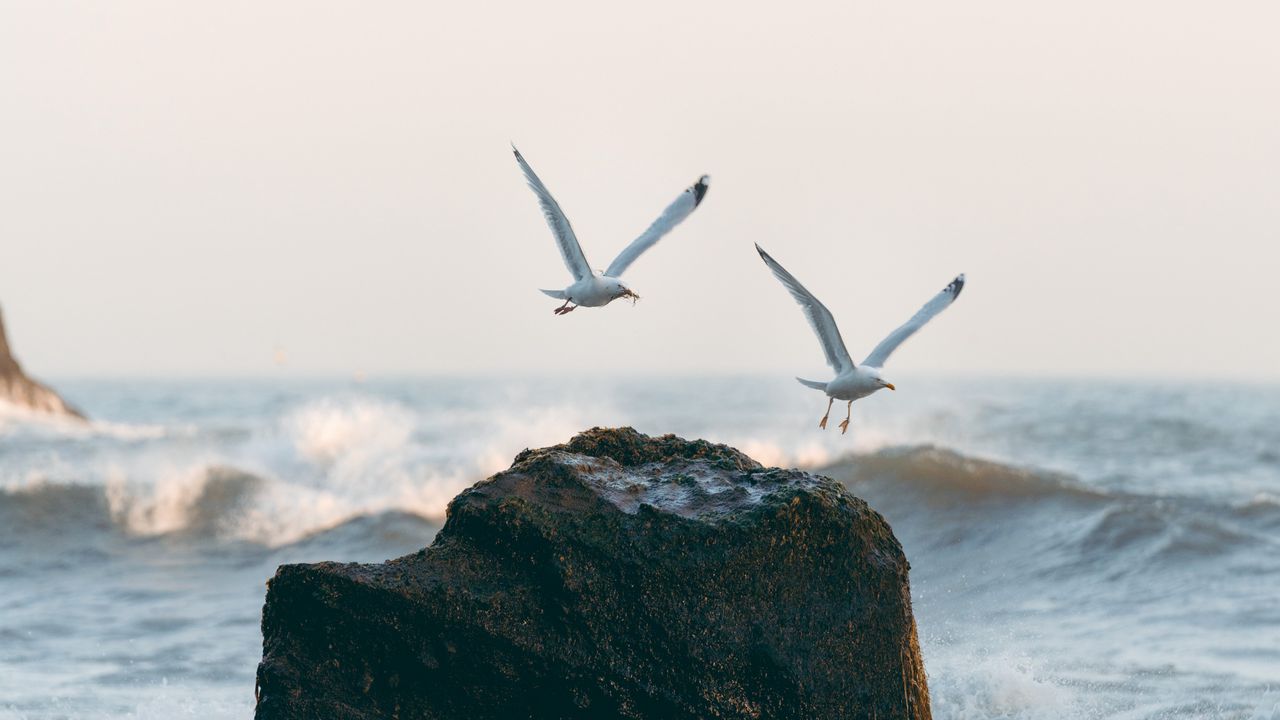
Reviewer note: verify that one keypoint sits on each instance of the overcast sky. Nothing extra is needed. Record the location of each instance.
(189, 188)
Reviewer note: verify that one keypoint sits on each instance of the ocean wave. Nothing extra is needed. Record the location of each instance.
(1162, 532)
(335, 459)
(941, 473)
(328, 461)
(211, 503)
(195, 503)
(962, 501)
(42, 506)
(1263, 508)
(327, 432)
(203, 501)
(314, 467)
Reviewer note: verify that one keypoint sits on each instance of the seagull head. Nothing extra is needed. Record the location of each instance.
(882, 383)
(618, 290)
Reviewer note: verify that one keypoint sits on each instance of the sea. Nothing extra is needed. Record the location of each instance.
(1078, 548)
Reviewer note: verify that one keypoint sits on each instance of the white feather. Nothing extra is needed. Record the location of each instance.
(819, 317)
(570, 249)
(675, 213)
(937, 304)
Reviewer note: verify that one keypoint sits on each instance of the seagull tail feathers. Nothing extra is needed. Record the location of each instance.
(813, 384)
(557, 294)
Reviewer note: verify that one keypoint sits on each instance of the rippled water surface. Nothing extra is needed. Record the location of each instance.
(1078, 549)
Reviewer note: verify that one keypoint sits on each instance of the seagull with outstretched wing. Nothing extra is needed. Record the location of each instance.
(853, 382)
(592, 289)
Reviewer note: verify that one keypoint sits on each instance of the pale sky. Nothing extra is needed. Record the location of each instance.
(189, 187)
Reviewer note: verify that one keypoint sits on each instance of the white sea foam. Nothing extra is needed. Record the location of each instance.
(163, 505)
(1260, 501)
(1000, 685)
(1268, 708)
(327, 431)
(320, 464)
(20, 421)
(173, 700)
(335, 460)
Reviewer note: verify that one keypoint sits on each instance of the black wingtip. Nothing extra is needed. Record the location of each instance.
(700, 189)
(760, 250)
(516, 151)
(956, 286)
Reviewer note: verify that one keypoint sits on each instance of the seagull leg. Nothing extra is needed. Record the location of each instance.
(563, 308)
(844, 426)
(823, 422)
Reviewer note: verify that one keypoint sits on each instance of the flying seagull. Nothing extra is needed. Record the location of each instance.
(853, 382)
(596, 289)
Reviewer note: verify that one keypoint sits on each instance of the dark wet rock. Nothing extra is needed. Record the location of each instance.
(617, 575)
(18, 389)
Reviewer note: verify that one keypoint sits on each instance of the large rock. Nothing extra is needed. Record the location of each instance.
(617, 575)
(18, 389)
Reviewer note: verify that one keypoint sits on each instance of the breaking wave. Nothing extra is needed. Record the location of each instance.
(936, 490)
(931, 470)
(317, 467)
(332, 462)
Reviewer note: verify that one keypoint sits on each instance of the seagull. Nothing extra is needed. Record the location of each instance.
(853, 382)
(597, 289)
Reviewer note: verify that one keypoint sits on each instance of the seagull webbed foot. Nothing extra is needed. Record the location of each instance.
(823, 422)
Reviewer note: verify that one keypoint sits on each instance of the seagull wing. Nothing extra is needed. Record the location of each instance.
(816, 313)
(559, 224)
(940, 302)
(672, 216)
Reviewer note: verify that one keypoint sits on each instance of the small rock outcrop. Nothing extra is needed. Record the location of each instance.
(18, 389)
(615, 576)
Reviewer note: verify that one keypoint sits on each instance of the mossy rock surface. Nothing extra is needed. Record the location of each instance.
(617, 575)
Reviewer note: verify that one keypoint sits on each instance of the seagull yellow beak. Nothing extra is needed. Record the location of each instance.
(890, 386)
